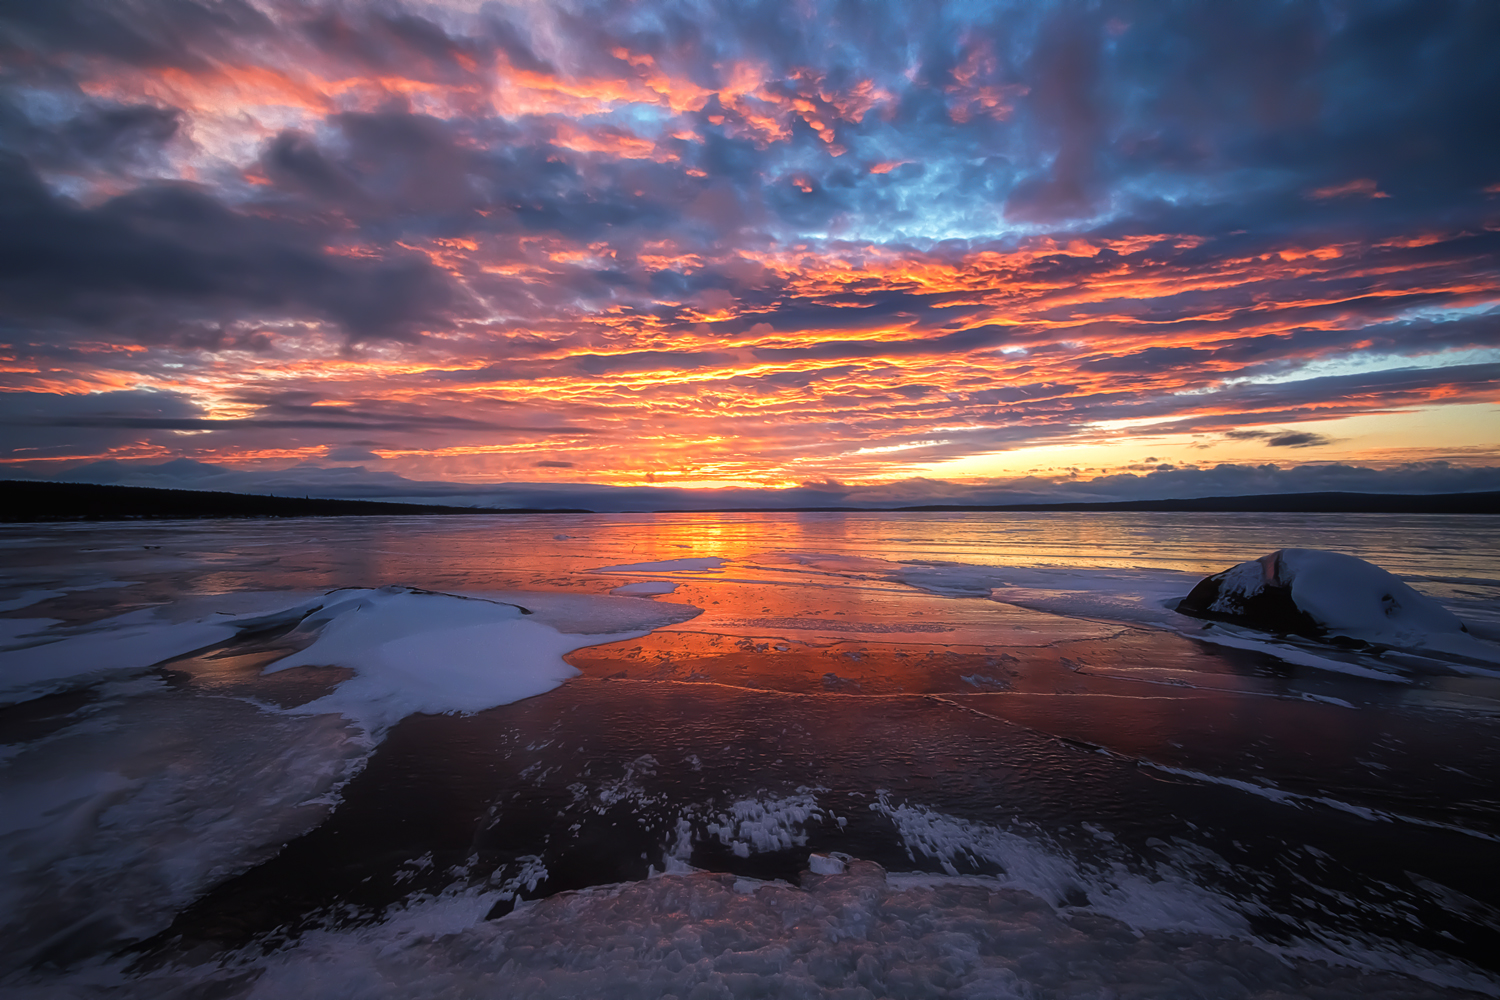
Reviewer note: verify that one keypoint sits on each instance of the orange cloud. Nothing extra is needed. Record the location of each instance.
(1363, 187)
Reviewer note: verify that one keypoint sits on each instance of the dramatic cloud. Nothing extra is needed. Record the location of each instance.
(724, 245)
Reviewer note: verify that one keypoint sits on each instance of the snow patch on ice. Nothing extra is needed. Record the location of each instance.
(1140, 596)
(646, 588)
(1220, 636)
(826, 864)
(1274, 794)
(1168, 899)
(417, 651)
(590, 614)
(667, 566)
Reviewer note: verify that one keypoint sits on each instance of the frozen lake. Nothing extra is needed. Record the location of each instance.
(220, 779)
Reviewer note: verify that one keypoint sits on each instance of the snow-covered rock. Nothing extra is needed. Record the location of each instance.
(1321, 595)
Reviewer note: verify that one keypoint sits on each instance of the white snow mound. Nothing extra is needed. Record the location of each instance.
(415, 651)
(1346, 595)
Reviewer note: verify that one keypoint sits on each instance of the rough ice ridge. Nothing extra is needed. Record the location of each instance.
(858, 936)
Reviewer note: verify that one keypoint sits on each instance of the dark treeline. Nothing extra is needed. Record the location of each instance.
(28, 500)
(22, 500)
(1283, 503)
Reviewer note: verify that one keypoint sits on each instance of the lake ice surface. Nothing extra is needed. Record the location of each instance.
(334, 758)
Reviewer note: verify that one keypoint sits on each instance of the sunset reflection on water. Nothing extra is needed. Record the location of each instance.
(1004, 695)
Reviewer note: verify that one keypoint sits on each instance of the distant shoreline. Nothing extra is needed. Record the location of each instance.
(1278, 503)
(31, 501)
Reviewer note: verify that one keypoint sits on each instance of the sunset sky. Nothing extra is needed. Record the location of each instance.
(848, 250)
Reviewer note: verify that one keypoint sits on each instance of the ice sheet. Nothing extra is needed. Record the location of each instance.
(1148, 597)
(667, 566)
(1138, 596)
(593, 614)
(1237, 639)
(27, 599)
(131, 812)
(145, 799)
(52, 658)
(646, 588)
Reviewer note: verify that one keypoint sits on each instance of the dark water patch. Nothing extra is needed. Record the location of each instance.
(30, 720)
(238, 671)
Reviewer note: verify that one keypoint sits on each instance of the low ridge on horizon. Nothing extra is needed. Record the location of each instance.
(33, 500)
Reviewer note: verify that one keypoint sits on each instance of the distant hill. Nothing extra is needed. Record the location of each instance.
(29, 500)
(25, 500)
(1279, 503)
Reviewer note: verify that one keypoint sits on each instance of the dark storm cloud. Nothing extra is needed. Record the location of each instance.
(144, 33)
(1283, 439)
(173, 249)
(390, 40)
(1411, 383)
(1065, 107)
(35, 420)
(41, 424)
(394, 173)
(1297, 439)
(1151, 359)
(102, 137)
(352, 454)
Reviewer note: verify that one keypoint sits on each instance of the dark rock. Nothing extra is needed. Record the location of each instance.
(1329, 596)
(1271, 609)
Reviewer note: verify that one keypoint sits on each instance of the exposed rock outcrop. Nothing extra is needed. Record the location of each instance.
(1321, 595)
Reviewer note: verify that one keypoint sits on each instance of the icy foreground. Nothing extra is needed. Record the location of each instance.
(121, 818)
(233, 789)
(854, 935)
